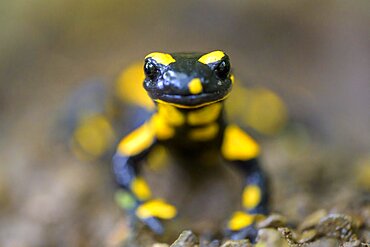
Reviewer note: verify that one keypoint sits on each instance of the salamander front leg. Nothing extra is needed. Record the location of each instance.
(242, 151)
(136, 196)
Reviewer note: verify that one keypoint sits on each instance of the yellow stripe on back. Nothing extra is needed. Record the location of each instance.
(204, 115)
(137, 141)
(204, 133)
(238, 145)
(170, 114)
(129, 87)
(94, 135)
(162, 58)
(211, 57)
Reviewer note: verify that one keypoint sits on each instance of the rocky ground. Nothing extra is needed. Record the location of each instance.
(318, 229)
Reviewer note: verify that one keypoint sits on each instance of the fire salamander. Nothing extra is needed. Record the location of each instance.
(189, 90)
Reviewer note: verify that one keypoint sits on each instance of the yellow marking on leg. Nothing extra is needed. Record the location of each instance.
(238, 145)
(140, 189)
(171, 115)
(162, 58)
(205, 115)
(156, 208)
(161, 128)
(137, 141)
(251, 196)
(195, 86)
(240, 220)
(204, 133)
(211, 57)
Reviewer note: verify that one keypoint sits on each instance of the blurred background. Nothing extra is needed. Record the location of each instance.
(313, 57)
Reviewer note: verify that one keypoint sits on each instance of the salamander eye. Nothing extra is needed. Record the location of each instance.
(151, 70)
(222, 70)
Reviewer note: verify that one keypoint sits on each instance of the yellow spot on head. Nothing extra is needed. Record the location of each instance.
(162, 58)
(140, 189)
(240, 220)
(156, 208)
(195, 86)
(251, 196)
(137, 141)
(204, 115)
(238, 145)
(211, 57)
(204, 133)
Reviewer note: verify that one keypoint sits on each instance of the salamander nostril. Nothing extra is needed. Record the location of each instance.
(167, 76)
(166, 83)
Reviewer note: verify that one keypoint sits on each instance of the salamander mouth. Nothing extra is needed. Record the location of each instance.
(192, 101)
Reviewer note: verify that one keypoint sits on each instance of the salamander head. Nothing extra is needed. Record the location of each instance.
(188, 80)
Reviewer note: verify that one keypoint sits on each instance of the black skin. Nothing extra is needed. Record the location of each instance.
(169, 83)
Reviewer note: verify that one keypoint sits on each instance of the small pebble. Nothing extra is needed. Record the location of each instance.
(336, 226)
(270, 237)
(324, 242)
(308, 236)
(312, 220)
(186, 239)
(273, 220)
(237, 243)
(160, 245)
(355, 243)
